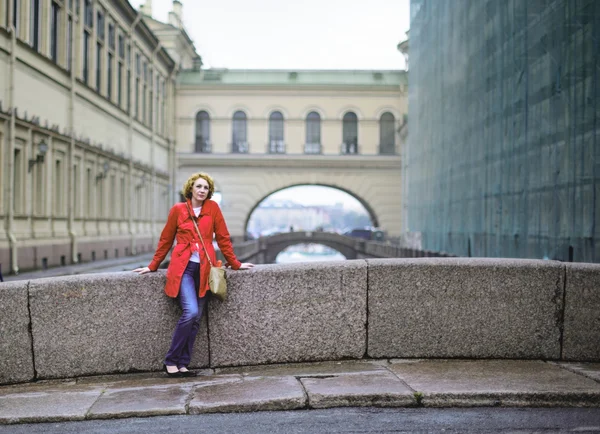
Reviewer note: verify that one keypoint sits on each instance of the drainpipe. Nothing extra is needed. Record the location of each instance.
(10, 187)
(172, 113)
(130, 135)
(71, 218)
(152, 142)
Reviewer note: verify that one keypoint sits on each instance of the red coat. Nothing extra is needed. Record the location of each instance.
(180, 227)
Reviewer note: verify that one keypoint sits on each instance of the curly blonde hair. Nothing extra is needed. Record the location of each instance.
(189, 185)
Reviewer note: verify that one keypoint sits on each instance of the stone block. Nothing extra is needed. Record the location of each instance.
(470, 383)
(16, 358)
(472, 308)
(104, 323)
(581, 337)
(291, 313)
(249, 394)
(358, 390)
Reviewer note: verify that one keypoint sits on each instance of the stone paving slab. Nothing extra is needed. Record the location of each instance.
(46, 405)
(309, 369)
(381, 390)
(445, 383)
(590, 370)
(141, 401)
(249, 394)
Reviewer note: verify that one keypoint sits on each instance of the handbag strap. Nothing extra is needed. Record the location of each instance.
(198, 232)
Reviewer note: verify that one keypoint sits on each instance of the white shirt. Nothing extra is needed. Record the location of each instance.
(195, 256)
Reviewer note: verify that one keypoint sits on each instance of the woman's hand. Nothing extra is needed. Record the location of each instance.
(142, 270)
(246, 266)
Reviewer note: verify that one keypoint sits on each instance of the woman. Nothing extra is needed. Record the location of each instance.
(187, 274)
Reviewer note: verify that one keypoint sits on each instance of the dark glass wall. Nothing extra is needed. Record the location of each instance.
(503, 155)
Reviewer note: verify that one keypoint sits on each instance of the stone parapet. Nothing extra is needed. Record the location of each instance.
(376, 308)
(291, 313)
(581, 340)
(471, 308)
(103, 323)
(16, 356)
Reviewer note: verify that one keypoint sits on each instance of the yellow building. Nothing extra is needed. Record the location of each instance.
(86, 142)
(260, 131)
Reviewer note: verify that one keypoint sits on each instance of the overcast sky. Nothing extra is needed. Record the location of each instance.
(301, 34)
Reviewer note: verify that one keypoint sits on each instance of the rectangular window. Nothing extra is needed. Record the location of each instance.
(18, 182)
(16, 13)
(76, 190)
(138, 67)
(121, 47)
(112, 204)
(54, 26)
(89, 14)
(38, 192)
(35, 25)
(123, 198)
(100, 198)
(100, 25)
(89, 192)
(120, 84)
(144, 92)
(57, 197)
(128, 91)
(111, 36)
(86, 57)
(98, 66)
(69, 41)
(109, 77)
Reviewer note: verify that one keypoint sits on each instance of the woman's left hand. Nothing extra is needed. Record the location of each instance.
(246, 266)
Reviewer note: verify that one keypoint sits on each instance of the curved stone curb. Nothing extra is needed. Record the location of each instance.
(395, 383)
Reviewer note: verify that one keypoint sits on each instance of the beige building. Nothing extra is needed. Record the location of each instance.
(260, 131)
(86, 141)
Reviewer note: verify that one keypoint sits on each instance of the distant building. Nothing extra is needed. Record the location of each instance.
(259, 131)
(503, 154)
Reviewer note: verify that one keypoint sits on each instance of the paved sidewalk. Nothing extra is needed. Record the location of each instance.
(380, 383)
(101, 266)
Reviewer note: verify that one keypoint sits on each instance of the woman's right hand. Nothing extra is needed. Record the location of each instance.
(142, 270)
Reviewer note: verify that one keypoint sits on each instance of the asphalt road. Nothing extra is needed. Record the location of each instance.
(343, 420)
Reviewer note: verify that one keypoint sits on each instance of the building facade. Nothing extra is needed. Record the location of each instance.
(86, 143)
(261, 131)
(503, 155)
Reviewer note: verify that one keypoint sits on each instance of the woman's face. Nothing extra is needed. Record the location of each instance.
(200, 189)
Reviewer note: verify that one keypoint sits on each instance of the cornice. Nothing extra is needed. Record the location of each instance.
(279, 161)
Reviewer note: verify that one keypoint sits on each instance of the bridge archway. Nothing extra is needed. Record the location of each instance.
(367, 207)
(275, 244)
(308, 252)
(245, 180)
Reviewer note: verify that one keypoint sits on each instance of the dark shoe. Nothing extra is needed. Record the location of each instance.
(172, 374)
(188, 373)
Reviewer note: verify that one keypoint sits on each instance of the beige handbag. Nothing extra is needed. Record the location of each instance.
(216, 278)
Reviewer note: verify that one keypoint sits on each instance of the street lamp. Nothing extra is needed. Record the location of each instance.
(42, 149)
(105, 168)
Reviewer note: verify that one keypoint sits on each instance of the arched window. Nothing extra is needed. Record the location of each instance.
(202, 143)
(313, 134)
(350, 134)
(239, 142)
(276, 145)
(386, 134)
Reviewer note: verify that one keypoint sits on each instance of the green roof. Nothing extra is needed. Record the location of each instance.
(291, 77)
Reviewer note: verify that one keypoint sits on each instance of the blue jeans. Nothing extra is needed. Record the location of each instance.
(188, 325)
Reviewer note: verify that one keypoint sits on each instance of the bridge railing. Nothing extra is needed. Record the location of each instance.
(376, 308)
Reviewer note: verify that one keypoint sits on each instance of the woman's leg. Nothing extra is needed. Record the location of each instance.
(188, 299)
(186, 354)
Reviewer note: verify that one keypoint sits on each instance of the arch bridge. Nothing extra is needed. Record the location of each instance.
(244, 181)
